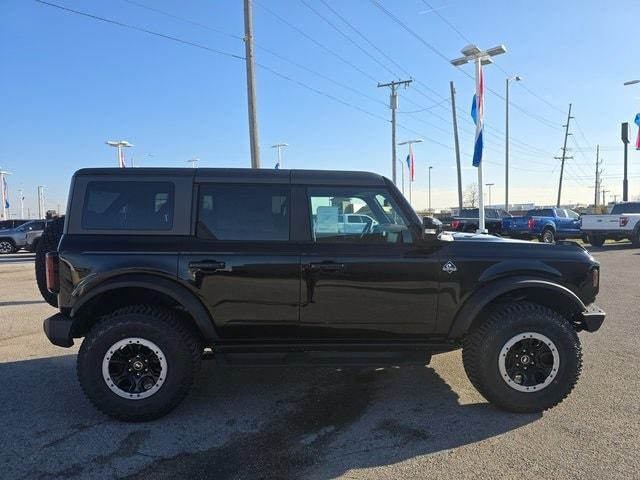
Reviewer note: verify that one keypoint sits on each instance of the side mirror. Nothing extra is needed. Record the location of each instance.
(431, 227)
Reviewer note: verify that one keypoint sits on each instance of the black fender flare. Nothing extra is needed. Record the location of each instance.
(486, 294)
(171, 288)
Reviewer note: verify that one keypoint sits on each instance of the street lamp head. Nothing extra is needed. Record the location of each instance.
(632, 82)
(499, 50)
(280, 145)
(470, 50)
(458, 62)
(124, 143)
(408, 142)
(486, 61)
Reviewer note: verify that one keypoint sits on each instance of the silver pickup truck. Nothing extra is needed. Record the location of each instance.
(14, 239)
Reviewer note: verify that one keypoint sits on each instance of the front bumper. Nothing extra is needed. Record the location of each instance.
(57, 328)
(591, 319)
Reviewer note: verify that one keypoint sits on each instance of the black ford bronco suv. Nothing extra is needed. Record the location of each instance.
(159, 268)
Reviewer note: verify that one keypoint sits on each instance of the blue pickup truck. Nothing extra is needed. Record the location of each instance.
(545, 224)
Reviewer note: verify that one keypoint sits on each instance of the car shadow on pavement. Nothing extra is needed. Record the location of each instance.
(609, 247)
(240, 423)
(21, 302)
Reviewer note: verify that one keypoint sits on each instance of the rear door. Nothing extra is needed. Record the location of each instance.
(378, 282)
(241, 261)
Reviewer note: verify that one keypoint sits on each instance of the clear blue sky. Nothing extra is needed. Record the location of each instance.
(69, 83)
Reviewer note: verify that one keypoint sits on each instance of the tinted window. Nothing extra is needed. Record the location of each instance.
(561, 213)
(542, 212)
(243, 212)
(381, 219)
(128, 206)
(630, 207)
(572, 215)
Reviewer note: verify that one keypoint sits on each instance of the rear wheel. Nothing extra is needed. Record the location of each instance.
(635, 238)
(523, 357)
(138, 363)
(7, 246)
(548, 236)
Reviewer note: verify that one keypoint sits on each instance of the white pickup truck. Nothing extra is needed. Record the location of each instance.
(623, 222)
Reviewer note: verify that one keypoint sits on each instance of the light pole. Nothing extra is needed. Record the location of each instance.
(430, 168)
(279, 147)
(490, 185)
(194, 162)
(402, 170)
(508, 80)
(473, 54)
(21, 204)
(625, 140)
(119, 144)
(411, 162)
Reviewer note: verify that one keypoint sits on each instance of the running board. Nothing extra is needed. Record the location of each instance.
(321, 358)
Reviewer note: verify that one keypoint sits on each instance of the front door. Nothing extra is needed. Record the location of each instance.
(241, 263)
(369, 279)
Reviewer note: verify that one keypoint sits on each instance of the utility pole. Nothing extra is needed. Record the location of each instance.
(40, 201)
(508, 80)
(564, 154)
(393, 105)
(604, 201)
(457, 143)
(625, 181)
(251, 84)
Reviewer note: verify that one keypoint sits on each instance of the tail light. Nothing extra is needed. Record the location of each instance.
(531, 224)
(455, 224)
(51, 272)
(624, 221)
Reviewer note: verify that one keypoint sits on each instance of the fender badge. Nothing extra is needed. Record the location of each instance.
(449, 267)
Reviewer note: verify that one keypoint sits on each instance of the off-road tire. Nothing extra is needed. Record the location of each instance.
(596, 240)
(548, 232)
(162, 326)
(7, 246)
(483, 344)
(48, 242)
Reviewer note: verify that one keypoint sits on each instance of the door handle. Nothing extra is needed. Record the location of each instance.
(206, 266)
(325, 267)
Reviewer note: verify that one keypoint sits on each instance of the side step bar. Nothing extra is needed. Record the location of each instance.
(321, 358)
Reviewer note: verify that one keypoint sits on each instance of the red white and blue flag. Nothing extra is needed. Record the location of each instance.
(411, 165)
(477, 113)
(637, 122)
(5, 192)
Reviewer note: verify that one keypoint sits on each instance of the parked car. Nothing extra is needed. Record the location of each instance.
(13, 223)
(15, 239)
(622, 223)
(158, 267)
(545, 224)
(468, 220)
(328, 218)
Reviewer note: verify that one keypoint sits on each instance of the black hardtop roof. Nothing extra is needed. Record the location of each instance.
(247, 175)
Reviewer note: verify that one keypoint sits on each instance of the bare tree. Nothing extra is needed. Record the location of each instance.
(471, 195)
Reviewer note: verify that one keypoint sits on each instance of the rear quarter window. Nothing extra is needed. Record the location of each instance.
(128, 205)
(630, 207)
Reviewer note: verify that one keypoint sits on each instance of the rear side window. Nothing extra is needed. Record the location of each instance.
(244, 212)
(118, 205)
(625, 208)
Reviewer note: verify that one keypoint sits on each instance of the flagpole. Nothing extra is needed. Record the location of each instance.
(4, 200)
(21, 204)
(480, 114)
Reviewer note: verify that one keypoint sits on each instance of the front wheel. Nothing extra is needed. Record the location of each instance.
(596, 240)
(523, 357)
(138, 363)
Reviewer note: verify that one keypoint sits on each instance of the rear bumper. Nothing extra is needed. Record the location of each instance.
(57, 328)
(591, 319)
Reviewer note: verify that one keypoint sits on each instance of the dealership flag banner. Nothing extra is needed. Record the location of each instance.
(411, 165)
(477, 113)
(5, 192)
(637, 122)
(121, 157)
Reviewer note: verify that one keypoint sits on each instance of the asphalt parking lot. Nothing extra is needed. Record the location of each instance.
(322, 423)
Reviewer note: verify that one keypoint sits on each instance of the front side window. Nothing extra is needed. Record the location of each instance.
(244, 212)
(120, 205)
(381, 221)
